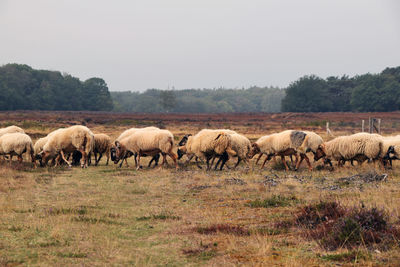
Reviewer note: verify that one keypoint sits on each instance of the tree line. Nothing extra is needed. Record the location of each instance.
(24, 88)
(362, 93)
(254, 99)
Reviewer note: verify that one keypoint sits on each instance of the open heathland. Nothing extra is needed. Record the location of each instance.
(105, 215)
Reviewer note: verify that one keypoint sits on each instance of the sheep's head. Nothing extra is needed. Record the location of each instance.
(255, 149)
(117, 152)
(320, 153)
(181, 151)
(391, 153)
(184, 140)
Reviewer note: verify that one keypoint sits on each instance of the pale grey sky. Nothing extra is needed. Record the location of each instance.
(135, 45)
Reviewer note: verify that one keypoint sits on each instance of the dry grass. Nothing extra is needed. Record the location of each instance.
(110, 216)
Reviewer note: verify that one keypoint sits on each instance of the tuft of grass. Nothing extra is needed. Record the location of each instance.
(95, 220)
(71, 255)
(273, 201)
(222, 228)
(82, 210)
(161, 216)
(350, 256)
(310, 216)
(333, 226)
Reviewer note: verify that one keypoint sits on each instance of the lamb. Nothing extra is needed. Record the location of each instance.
(206, 144)
(351, 147)
(127, 133)
(16, 144)
(68, 140)
(149, 142)
(102, 144)
(11, 129)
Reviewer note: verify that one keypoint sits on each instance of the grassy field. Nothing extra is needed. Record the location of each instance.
(105, 215)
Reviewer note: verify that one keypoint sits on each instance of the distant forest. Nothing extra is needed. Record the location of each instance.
(24, 88)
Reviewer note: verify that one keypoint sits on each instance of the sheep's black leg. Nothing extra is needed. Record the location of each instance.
(98, 160)
(225, 158)
(218, 162)
(237, 163)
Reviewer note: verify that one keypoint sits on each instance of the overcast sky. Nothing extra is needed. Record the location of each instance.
(136, 45)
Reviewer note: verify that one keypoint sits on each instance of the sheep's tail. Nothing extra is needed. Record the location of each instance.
(222, 144)
(88, 143)
(31, 151)
(304, 146)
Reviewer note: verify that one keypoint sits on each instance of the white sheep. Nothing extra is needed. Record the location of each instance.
(241, 145)
(68, 140)
(279, 144)
(149, 142)
(11, 129)
(206, 144)
(351, 147)
(127, 133)
(102, 144)
(16, 144)
(310, 143)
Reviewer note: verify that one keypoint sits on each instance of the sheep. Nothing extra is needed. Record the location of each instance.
(281, 144)
(206, 144)
(68, 140)
(102, 144)
(350, 147)
(310, 143)
(11, 129)
(127, 133)
(390, 149)
(241, 145)
(38, 147)
(149, 142)
(17, 144)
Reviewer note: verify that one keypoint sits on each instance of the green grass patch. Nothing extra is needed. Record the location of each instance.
(350, 256)
(273, 201)
(72, 255)
(161, 216)
(95, 220)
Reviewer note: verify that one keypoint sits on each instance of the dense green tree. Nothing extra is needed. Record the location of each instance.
(168, 100)
(308, 94)
(375, 93)
(22, 87)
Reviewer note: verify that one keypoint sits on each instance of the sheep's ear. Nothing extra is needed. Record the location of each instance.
(117, 144)
(218, 136)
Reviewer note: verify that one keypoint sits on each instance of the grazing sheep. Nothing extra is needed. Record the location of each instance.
(68, 140)
(206, 144)
(149, 142)
(390, 149)
(102, 144)
(38, 147)
(16, 144)
(127, 133)
(11, 129)
(350, 147)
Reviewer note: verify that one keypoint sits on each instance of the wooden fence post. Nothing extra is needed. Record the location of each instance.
(362, 125)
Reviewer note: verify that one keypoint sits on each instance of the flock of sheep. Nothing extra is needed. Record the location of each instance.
(207, 145)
